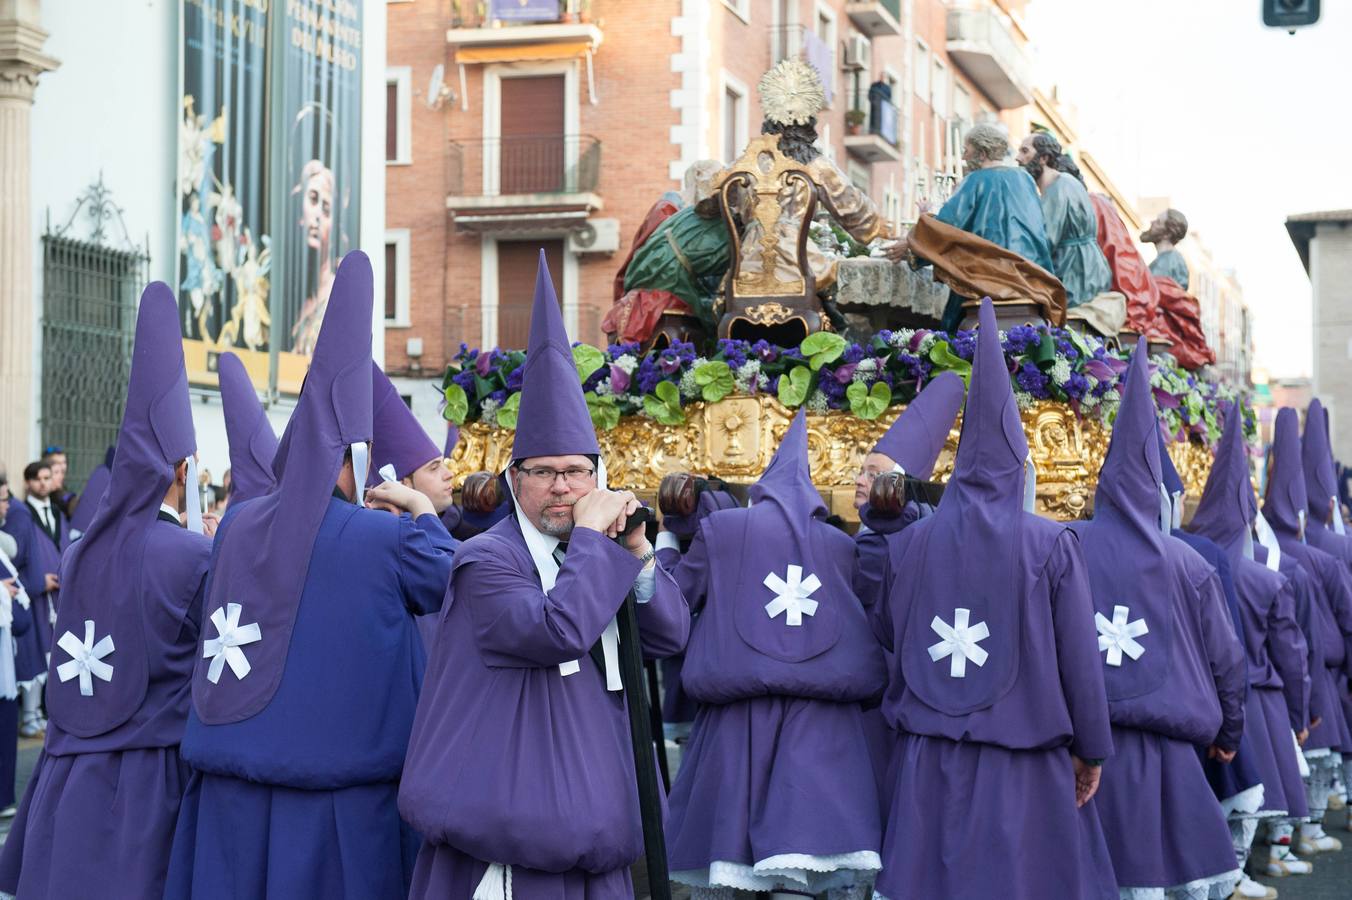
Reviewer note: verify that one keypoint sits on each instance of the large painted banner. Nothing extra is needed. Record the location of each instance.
(269, 178)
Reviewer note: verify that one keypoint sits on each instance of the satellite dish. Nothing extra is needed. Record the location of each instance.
(437, 91)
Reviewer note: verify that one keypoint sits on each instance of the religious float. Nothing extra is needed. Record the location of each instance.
(767, 286)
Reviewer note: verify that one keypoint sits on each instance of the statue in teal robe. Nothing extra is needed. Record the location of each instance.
(1072, 231)
(1000, 204)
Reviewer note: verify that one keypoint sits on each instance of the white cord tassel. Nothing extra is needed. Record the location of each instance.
(1166, 510)
(1268, 540)
(496, 883)
(361, 463)
(194, 492)
(1029, 484)
(1336, 516)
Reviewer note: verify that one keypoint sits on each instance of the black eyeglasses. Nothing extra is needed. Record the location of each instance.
(575, 477)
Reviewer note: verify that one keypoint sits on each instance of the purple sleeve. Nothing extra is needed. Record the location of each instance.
(516, 624)
(692, 574)
(1290, 656)
(1339, 587)
(1077, 654)
(870, 567)
(664, 621)
(425, 553)
(668, 558)
(1225, 656)
(20, 527)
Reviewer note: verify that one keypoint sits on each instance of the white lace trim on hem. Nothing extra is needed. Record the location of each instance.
(793, 871)
(1246, 802)
(1217, 886)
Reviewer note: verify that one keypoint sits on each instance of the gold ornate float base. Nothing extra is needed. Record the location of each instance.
(735, 438)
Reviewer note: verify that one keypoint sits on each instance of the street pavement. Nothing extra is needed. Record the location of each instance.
(1332, 878)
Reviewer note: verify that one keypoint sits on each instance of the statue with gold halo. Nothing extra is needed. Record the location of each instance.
(770, 195)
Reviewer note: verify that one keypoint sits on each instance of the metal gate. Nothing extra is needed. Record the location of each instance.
(89, 292)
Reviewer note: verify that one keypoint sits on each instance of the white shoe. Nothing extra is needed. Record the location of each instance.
(1336, 801)
(8, 812)
(31, 730)
(1248, 889)
(1313, 840)
(1282, 863)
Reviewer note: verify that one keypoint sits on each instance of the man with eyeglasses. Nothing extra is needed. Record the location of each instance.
(520, 773)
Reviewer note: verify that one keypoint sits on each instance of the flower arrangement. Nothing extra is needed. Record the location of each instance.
(826, 372)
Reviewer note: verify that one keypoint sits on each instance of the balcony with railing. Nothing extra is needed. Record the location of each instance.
(878, 142)
(535, 181)
(508, 30)
(982, 43)
(875, 18)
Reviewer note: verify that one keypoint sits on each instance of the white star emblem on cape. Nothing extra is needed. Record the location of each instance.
(1119, 636)
(230, 637)
(86, 659)
(793, 597)
(959, 642)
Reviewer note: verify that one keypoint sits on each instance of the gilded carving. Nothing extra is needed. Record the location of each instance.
(736, 437)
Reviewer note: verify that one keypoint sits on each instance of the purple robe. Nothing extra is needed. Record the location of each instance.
(983, 797)
(778, 760)
(95, 485)
(549, 789)
(1327, 620)
(1173, 666)
(100, 808)
(37, 555)
(513, 763)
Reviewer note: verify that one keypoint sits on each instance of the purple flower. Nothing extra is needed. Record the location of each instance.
(853, 353)
(1076, 386)
(1031, 380)
(1165, 399)
(765, 351)
(465, 378)
(845, 374)
(516, 378)
(619, 380)
(483, 363)
(499, 397)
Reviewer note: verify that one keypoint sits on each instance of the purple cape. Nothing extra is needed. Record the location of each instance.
(1321, 487)
(260, 568)
(105, 588)
(253, 446)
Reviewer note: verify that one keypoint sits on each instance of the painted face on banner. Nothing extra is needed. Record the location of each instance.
(317, 208)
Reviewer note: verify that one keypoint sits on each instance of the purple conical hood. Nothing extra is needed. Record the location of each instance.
(552, 419)
(399, 441)
(916, 438)
(90, 497)
(1124, 545)
(452, 438)
(787, 480)
(103, 571)
(1226, 511)
(981, 518)
(1321, 481)
(263, 552)
(1284, 500)
(1129, 483)
(253, 446)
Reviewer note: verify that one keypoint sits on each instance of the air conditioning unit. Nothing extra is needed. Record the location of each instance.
(596, 236)
(857, 53)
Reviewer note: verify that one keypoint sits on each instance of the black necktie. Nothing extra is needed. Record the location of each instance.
(597, 655)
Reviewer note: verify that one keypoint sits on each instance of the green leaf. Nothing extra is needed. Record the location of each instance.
(715, 377)
(507, 412)
(868, 404)
(457, 404)
(587, 359)
(943, 356)
(664, 404)
(794, 386)
(822, 348)
(605, 414)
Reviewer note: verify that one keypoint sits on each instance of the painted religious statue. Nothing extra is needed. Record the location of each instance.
(738, 258)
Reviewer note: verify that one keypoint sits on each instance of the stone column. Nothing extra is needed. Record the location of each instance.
(21, 62)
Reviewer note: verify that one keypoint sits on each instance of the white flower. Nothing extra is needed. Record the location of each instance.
(865, 371)
(902, 337)
(1088, 401)
(762, 382)
(688, 386)
(747, 376)
(817, 402)
(926, 343)
(603, 389)
(1024, 399)
(489, 410)
(626, 363)
(1060, 372)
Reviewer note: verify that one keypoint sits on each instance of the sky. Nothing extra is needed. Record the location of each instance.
(1240, 125)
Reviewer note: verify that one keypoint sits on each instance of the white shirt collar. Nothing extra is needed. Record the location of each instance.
(44, 504)
(166, 508)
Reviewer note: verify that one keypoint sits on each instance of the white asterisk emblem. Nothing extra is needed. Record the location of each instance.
(1119, 636)
(959, 642)
(225, 648)
(86, 659)
(793, 597)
